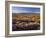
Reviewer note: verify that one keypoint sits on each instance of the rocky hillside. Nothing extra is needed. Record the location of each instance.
(26, 22)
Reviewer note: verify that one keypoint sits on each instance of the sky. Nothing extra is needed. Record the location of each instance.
(25, 10)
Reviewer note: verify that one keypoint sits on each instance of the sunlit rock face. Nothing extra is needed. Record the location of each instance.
(26, 22)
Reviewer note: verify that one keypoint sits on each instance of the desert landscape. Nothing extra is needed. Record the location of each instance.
(25, 21)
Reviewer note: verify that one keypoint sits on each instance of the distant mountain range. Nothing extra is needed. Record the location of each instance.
(14, 14)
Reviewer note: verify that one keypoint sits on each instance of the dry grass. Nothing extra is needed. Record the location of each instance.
(33, 17)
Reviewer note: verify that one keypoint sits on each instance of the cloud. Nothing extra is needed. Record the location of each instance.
(21, 11)
(36, 12)
(24, 11)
